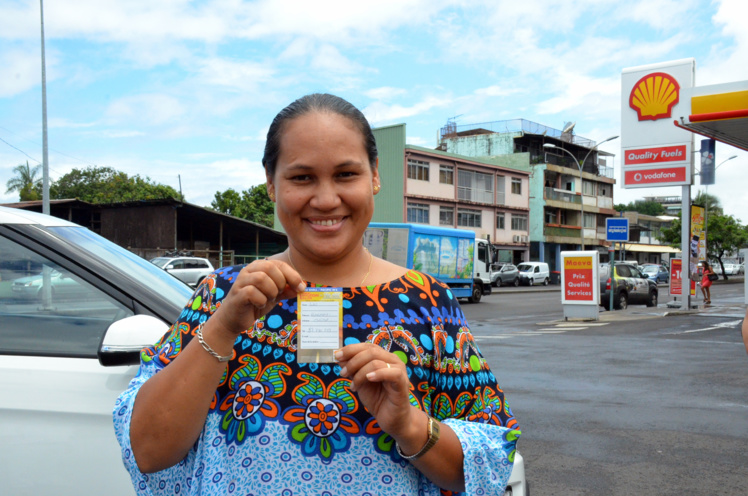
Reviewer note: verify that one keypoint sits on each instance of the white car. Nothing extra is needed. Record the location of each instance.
(64, 357)
(189, 270)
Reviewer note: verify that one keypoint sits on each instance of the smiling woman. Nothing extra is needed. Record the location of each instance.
(242, 408)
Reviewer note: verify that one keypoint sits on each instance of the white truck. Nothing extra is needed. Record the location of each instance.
(454, 256)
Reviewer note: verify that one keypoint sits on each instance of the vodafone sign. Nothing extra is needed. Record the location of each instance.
(642, 178)
(655, 151)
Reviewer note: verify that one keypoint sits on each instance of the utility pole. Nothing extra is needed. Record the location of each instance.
(45, 161)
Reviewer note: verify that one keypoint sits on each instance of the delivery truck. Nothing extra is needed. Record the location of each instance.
(454, 256)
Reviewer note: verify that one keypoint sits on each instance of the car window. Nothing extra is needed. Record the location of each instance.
(47, 310)
(537, 269)
(622, 271)
(177, 264)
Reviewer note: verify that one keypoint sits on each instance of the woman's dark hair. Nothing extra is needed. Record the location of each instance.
(316, 102)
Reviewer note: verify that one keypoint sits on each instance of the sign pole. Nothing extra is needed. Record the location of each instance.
(612, 273)
(685, 234)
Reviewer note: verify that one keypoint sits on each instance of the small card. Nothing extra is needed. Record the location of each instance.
(320, 314)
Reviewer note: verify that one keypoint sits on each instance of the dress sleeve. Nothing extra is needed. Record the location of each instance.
(467, 397)
(152, 360)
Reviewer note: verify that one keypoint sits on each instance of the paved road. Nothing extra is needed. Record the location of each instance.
(645, 401)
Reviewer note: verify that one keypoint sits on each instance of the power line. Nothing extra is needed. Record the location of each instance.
(32, 158)
(53, 149)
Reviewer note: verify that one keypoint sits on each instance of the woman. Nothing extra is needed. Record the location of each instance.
(234, 411)
(706, 283)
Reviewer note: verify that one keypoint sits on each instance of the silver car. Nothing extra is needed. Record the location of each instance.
(189, 270)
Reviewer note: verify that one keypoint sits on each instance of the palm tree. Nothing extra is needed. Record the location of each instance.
(710, 202)
(26, 182)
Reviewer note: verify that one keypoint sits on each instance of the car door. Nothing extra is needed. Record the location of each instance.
(55, 413)
(641, 286)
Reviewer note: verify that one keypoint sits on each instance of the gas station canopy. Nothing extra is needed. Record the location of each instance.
(718, 111)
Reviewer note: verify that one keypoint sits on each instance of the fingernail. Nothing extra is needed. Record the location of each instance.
(301, 287)
(353, 386)
(338, 354)
(343, 372)
(370, 375)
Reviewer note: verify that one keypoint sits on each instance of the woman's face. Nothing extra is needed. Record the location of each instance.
(323, 185)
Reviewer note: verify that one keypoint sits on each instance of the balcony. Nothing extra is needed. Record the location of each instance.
(475, 195)
(561, 195)
(565, 231)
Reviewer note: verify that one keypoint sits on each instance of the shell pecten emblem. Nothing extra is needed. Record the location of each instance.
(654, 96)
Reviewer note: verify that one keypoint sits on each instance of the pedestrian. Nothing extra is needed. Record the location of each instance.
(707, 277)
(222, 405)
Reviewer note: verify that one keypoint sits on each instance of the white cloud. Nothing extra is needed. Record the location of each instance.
(21, 71)
(147, 110)
(384, 93)
(378, 112)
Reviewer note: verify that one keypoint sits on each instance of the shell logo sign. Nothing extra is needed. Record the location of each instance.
(654, 96)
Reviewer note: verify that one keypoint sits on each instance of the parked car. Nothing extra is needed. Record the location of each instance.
(64, 358)
(503, 274)
(656, 273)
(531, 273)
(62, 366)
(190, 270)
(629, 286)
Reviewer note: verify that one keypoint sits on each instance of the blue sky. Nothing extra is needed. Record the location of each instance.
(181, 88)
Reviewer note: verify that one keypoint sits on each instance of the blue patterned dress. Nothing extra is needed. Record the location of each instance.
(280, 427)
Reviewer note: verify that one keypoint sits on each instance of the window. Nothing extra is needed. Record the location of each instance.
(500, 190)
(474, 186)
(76, 314)
(446, 216)
(588, 188)
(590, 221)
(417, 169)
(500, 220)
(446, 174)
(516, 186)
(519, 222)
(550, 217)
(418, 213)
(467, 217)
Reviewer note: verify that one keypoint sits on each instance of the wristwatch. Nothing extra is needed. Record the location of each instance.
(433, 438)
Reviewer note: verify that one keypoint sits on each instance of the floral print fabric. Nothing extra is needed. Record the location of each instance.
(277, 426)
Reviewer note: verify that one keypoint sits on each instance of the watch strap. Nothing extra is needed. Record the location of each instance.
(433, 431)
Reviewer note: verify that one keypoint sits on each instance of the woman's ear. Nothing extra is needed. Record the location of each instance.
(270, 188)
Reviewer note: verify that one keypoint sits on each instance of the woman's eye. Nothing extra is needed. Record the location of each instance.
(301, 177)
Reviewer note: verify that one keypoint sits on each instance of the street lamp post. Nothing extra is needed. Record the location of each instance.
(580, 167)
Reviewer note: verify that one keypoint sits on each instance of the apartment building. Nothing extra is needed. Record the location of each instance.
(566, 204)
(644, 245)
(489, 196)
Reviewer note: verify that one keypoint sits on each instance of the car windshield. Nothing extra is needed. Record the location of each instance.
(160, 261)
(525, 267)
(649, 270)
(139, 268)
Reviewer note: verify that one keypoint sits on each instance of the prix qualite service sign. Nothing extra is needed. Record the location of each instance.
(655, 151)
(579, 279)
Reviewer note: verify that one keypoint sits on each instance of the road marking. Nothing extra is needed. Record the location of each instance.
(591, 324)
(565, 328)
(721, 325)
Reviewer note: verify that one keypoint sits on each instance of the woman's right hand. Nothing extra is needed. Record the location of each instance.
(258, 287)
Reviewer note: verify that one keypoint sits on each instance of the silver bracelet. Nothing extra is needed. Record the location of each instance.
(206, 346)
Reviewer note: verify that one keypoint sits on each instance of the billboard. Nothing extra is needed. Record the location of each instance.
(655, 151)
(579, 279)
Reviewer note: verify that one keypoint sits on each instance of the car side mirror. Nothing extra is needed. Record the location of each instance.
(125, 338)
(169, 267)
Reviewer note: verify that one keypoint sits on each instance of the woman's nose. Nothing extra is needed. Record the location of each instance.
(326, 196)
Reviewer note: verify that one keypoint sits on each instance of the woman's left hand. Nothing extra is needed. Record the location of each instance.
(381, 382)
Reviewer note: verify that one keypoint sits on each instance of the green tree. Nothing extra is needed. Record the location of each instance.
(724, 235)
(710, 202)
(107, 185)
(252, 204)
(648, 207)
(26, 182)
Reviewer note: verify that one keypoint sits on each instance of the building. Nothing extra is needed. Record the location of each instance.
(644, 245)
(489, 196)
(671, 204)
(150, 228)
(558, 197)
